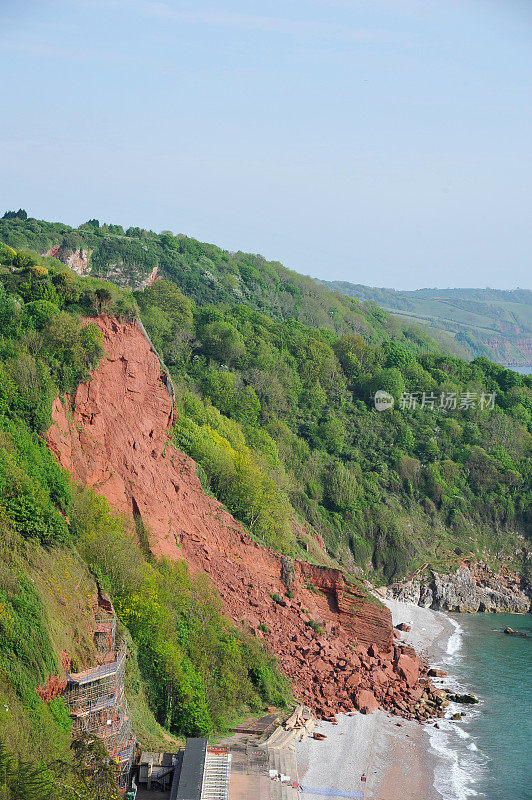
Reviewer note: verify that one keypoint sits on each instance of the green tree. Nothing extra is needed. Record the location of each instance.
(388, 379)
(166, 296)
(23, 780)
(332, 432)
(396, 356)
(340, 487)
(222, 342)
(20, 214)
(221, 387)
(95, 769)
(355, 355)
(247, 407)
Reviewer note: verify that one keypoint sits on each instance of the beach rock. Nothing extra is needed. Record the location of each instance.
(439, 698)
(407, 650)
(319, 736)
(353, 680)
(403, 627)
(436, 673)
(416, 693)
(464, 698)
(511, 632)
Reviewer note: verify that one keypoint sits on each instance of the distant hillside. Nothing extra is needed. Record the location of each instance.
(135, 258)
(484, 322)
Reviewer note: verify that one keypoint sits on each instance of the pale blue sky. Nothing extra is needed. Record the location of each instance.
(385, 142)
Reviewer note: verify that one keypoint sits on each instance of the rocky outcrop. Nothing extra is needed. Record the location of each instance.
(150, 279)
(123, 275)
(472, 588)
(469, 699)
(333, 641)
(77, 260)
(510, 632)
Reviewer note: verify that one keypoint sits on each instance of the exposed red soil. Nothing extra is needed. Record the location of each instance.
(114, 436)
(56, 684)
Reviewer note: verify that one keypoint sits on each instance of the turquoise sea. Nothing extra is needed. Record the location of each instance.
(489, 754)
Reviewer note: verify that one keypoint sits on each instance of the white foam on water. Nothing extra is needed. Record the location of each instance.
(460, 763)
(457, 771)
(455, 640)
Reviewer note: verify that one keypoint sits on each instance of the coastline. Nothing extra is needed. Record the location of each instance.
(396, 755)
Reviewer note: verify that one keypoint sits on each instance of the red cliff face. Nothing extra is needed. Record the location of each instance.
(114, 435)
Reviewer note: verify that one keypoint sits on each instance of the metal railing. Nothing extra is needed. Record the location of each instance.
(97, 673)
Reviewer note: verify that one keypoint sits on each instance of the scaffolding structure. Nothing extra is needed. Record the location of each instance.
(96, 696)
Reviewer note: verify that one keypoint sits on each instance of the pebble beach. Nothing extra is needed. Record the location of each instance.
(393, 754)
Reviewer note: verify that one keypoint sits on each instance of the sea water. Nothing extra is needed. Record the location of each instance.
(488, 754)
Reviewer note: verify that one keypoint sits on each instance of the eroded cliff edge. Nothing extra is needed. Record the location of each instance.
(333, 641)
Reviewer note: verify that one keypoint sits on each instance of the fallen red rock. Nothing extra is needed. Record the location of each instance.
(408, 668)
(365, 701)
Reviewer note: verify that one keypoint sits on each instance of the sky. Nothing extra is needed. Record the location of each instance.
(383, 142)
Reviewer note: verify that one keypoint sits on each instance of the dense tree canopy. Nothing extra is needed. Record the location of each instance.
(296, 405)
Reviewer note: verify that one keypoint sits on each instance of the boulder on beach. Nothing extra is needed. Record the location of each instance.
(365, 701)
(403, 627)
(408, 669)
(436, 673)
